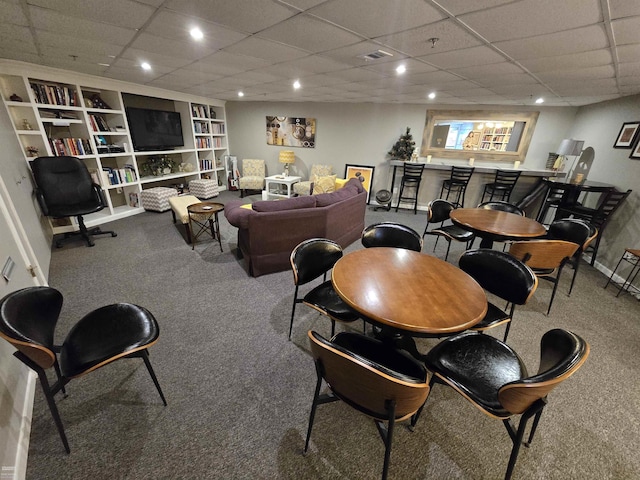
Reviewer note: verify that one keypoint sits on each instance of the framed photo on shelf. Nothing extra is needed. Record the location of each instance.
(627, 135)
(635, 153)
(362, 172)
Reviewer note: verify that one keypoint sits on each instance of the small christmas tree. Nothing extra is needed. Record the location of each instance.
(404, 147)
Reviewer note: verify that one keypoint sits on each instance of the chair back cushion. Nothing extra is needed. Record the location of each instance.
(312, 258)
(439, 210)
(502, 206)
(28, 319)
(367, 374)
(252, 167)
(501, 274)
(389, 234)
(562, 353)
(570, 229)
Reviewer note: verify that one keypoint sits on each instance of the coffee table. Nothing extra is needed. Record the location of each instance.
(496, 225)
(204, 215)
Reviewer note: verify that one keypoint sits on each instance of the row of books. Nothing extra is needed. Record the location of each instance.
(70, 146)
(206, 164)
(98, 123)
(217, 142)
(203, 142)
(118, 176)
(201, 127)
(218, 129)
(54, 94)
(199, 111)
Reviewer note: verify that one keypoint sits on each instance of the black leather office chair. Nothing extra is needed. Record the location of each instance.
(411, 178)
(311, 259)
(504, 276)
(28, 320)
(64, 188)
(458, 182)
(389, 234)
(503, 185)
(371, 376)
(491, 375)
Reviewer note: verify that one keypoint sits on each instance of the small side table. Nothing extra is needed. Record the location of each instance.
(631, 256)
(204, 215)
(280, 180)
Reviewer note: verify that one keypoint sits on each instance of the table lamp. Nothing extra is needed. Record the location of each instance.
(287, 157)
(570, 147)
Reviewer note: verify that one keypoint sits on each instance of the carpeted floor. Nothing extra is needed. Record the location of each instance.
(239, 393)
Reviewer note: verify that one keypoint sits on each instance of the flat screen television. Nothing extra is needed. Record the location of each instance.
(154, 129)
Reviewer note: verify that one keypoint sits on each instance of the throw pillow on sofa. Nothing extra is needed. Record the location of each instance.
(325, 184)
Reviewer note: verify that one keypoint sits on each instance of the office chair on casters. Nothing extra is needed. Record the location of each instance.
(493, 377)
(64, 188)
(28, 320)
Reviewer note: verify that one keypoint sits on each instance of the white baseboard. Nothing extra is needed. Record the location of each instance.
(19, 469)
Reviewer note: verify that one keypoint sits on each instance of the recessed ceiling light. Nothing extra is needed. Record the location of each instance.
(401, 69)
(432, 95)
(296, 84)
(196, 33)
(540, 100)
(145, 66)
(241, 94)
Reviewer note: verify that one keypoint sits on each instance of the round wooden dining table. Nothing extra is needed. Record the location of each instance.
(409, 291)
(496, 225)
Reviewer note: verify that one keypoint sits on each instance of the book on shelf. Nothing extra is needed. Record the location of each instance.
(70, 146)
(134, 200)
(98, 123)
(54, 94)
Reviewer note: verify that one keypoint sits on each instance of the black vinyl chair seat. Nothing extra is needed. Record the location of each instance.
(28, 319)
(439, 211)
(325, 299)
(495, 316)
(478, 366)
(389, 234)
(104, 335)
(454, 232)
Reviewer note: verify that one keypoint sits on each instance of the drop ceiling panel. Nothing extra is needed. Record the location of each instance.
(412, 66)
(168, 47)
(629, 69)
(267, 50)
(623, 8)
(458, 7)
(58, 44)
(240, 63)
(593, 58)
(318, 64)
(352, 54)
(17, 38)
(491, 70)
(135, 58)
(465, 57)
(627, 30)
(13, 13)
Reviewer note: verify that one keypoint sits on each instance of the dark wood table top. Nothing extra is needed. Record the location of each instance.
(496, 223)
(588, 185)
(205, 207)
(409, 291)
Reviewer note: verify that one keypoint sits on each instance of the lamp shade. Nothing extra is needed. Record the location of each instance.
(287, 156)
(569, 146)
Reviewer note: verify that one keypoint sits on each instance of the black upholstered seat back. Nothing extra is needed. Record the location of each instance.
(502, 206)
(28, 319)
(570, 230)
(65, 182)
(500, 273)
(439, 210)
(389, 234)
(561, 354)
(312, 258)
(367, 374)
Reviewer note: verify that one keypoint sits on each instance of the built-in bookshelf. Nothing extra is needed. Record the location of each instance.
(64, 113)
(495, 138)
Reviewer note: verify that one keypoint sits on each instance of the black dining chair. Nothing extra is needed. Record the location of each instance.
(438, 212)
(28, 319)
(493, 377)
(310, 260)
(384, 383)
(457, 183)
(502, 206)
(502, 186)
(411, 178)
(390, 234)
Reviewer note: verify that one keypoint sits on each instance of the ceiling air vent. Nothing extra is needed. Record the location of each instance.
(376, 55)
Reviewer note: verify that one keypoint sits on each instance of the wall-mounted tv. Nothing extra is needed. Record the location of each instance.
(154, 129)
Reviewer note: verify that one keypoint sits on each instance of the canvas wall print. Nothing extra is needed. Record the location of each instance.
(362, 172)
(291, 132)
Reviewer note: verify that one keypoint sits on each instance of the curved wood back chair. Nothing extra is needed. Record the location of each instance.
(576, 231)
(389, 234)
(502, 206)
(384, 383)
(439, 211)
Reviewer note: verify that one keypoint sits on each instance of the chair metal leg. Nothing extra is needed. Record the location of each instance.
(293, 310)
(576, 265)
(506, 331)
(145, 357)
(312, 416)
(448, 247)
(614, 271)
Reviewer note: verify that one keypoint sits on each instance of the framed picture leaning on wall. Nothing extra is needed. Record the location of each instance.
(362, 172)
(627, 135)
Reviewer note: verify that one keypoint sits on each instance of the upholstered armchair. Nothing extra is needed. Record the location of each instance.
(253, 173)
(317, 171)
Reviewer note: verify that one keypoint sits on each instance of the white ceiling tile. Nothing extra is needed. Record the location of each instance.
(458, 7)
(50, 42)
(125, 13)
(352, 54)
(13, 14)
(623, 8)
(238, 63)
(629, 53)
(627, 30)
(439, 77)
(244, 15)
(629, 69)
(606, 71)
(571, 41)
(136, 57)
(529, 18)
(267, 50)
(17, 38)
(318, 64)
(169, 47)
(310, 34)
(357, 75)
(491, 70)
(412, 67)
(415, 42)
(593, 58)
(366, 21)
(465, 57)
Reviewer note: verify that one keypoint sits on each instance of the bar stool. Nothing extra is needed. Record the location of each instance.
(631, 256)
(411, 178)
(458, 181)
(502, 185)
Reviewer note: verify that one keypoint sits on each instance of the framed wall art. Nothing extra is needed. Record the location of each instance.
(362, 172)
(291, 131)
(635, 152)
(627, 135)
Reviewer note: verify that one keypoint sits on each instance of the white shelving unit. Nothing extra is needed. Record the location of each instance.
(62, 113)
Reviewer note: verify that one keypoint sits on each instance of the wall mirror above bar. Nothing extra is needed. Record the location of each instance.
(482, 134)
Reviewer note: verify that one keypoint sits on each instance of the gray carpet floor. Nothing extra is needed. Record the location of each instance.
(239, 392)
